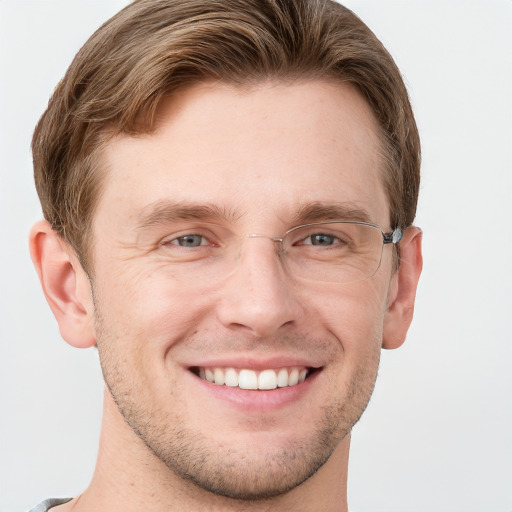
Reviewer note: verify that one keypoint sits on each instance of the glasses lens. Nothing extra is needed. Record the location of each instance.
(339, 252)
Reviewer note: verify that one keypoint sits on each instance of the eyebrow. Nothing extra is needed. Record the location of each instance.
(163, 212)
(319, 211)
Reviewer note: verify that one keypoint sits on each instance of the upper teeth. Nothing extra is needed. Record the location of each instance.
(250, 379)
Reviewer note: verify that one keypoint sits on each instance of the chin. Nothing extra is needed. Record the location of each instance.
(250, 471)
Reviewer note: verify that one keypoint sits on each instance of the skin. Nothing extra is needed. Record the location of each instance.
(169, 440)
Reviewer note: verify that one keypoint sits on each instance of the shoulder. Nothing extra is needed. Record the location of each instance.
(47, 504)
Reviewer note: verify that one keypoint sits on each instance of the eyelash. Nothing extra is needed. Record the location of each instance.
(174, 241)
(183, 237)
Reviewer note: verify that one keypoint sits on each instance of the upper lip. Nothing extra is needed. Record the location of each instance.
(253, 363)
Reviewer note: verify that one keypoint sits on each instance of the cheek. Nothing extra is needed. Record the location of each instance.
(355, 316)
(145, 312)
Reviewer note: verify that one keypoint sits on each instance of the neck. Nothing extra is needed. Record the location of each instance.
(129, 477)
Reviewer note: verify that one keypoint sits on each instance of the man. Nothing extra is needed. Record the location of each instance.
(229, 190)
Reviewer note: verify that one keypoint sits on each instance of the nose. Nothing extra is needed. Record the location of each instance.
(258, 297)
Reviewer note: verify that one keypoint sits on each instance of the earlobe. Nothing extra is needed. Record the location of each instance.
(403, 290)
(65, 285)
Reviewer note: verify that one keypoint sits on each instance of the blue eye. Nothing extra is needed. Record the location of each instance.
(189, 241)
(322, 239)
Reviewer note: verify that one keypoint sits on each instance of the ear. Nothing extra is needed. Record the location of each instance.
(402, 290)
(65, 285)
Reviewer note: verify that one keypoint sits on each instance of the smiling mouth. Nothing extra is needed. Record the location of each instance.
(255, 380)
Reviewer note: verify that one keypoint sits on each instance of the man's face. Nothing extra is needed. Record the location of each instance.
(229, 161)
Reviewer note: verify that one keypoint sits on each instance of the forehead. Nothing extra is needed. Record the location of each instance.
(264, 151)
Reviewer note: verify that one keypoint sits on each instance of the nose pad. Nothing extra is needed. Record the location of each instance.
(278, 246)
(278, 242)
(258, 296)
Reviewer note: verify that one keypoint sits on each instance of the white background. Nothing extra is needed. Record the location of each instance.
(437, 435)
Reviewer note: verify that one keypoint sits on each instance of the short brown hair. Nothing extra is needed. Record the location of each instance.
(153, 47)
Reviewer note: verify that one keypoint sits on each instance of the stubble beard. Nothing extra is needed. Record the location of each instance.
(224, 470)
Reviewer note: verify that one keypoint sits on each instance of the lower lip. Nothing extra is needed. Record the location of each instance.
(256, 400)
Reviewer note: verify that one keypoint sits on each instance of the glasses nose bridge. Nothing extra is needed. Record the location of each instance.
(277, 241)
(260, 235)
